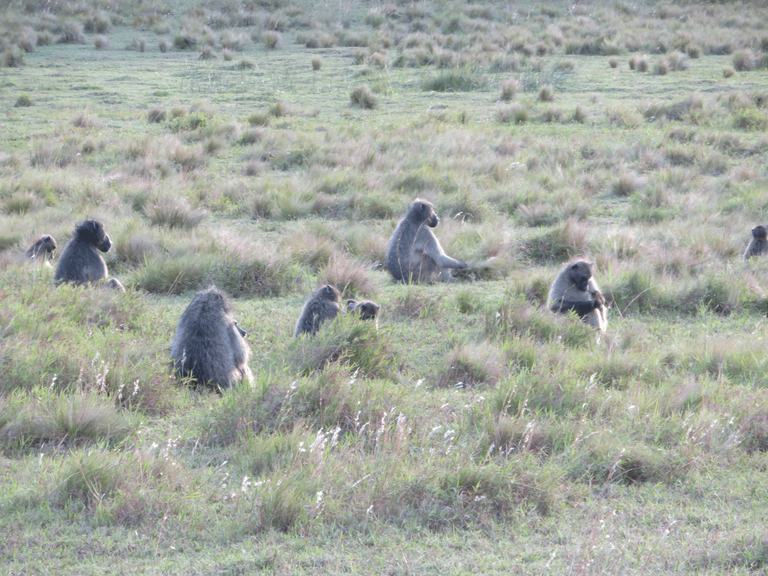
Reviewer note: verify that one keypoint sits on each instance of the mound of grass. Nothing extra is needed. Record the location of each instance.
(459, 80)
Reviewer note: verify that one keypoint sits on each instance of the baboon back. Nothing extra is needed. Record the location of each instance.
(322, 305)
(758, 246)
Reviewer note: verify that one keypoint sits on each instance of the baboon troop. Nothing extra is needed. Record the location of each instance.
(322, 305)
(80, 261)
(208, 344)
(42, 249)
(758, 246)
(414, 253)
(576, 289)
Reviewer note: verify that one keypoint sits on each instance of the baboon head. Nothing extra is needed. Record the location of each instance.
(422, 212)
(759, 232)
(43, 248)
(329, 292)
(92, 232)
(579, 273)
(368, 310)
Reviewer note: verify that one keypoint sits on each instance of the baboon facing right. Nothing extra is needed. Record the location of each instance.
(758, 246)
(414, 253)
(208, 344)
(80, 261)
(42, 249)
(576, 289)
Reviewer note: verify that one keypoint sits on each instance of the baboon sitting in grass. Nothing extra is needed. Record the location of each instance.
(758, 246)
(367, 310)
(80, 261)
(414, 253)
(576, 289)
(42, 249)
(322, 305)
(208, 344)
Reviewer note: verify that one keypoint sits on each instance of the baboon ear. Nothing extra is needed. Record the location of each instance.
(328, 289)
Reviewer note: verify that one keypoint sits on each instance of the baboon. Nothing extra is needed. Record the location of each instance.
(367, 309)
(42, 249)
(322, 305)
(758, 246)
(80, 261)
(115, 284)
(576, 289)
(414, 253)
(208, 344)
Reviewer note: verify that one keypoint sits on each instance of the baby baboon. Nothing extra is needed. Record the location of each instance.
(322, 305)
(80, 261)
(575, 289)
(414, 252)
(42, 249)
(368, 310)
(208, 344)
(115, 284)
(758, 246)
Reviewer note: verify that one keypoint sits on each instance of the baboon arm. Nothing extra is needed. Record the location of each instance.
(447, 262)
(581, 308)
(238, 350)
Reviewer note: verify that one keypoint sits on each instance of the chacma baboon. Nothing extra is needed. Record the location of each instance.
(576, 289)
(80, 261)
(208, 344)
(115, 284)
(42, 249)
(758, 246)
(322, 305)
(367, 309)
(414, 253)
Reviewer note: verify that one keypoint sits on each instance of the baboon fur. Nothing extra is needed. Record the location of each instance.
(576, 289)
(208, 344)
(758, 246)
(114, 284)
(42, 249)
(414, 253)
(367, 309)
(80, 261)
(322, 305)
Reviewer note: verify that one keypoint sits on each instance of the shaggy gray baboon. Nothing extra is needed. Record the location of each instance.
(208, 344)
(42, 249)
(576, 289)
(322, 305)
(80, 261)
(414, 253)
(758, 246)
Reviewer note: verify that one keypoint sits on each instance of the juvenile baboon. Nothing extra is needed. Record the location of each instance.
(115, 284)
(576, 289)
(208, 344)
(414, 253)
(80, 261)
(42, 249)
(758, 246)
(322, 305)
(367, 309)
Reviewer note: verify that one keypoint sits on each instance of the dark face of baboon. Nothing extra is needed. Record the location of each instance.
(92, 232)
(424, 212)
(580, 273)
(759, 232)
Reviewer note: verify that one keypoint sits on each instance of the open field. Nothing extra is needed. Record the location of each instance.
(270, 146)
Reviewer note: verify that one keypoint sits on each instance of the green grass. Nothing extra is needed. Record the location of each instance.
(472, 431)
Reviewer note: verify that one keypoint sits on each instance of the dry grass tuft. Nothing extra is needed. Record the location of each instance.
(363, 97)
(173, 212)
(349, 276)
(547, 94)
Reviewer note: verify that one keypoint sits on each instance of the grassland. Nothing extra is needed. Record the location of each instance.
(267, 147)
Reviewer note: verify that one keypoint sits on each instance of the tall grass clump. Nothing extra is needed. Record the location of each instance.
(458, 80)
(346, 341)
(173, 212)
(271, 39)
(363, 97)
(508, 89)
